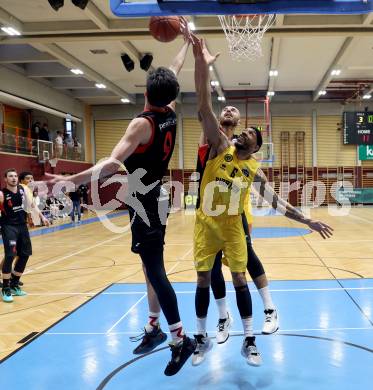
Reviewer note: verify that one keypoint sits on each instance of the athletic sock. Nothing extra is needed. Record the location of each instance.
(201, 326)
(153, 321)
(247, 324)
(222, 308)
(6, 283)
(266, 297)
(177, 332)
(14, 280)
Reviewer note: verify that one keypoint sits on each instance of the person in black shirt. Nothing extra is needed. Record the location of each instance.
(75, 197)
(146, 149)
(44, 133)
(83, 188)
(16, 238)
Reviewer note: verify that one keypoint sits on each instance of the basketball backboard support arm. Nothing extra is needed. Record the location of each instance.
(126, 8)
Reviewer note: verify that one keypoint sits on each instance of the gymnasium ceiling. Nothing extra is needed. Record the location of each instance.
(303, 48)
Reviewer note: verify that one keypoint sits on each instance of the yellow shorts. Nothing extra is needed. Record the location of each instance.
(214, 234)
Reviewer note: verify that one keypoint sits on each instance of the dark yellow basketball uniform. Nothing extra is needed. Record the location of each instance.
(225, 184)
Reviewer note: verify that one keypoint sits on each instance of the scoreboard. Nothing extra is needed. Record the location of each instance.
(358, 128)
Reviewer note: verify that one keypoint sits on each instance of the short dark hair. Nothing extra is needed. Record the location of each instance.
(259, 138)
(162, 87)
(9, 170)
(22, 175)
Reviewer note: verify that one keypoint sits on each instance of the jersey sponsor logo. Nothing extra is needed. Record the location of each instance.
(225, 181)
(168, 123)
(228, 157)
(246, 172)
(223, 167)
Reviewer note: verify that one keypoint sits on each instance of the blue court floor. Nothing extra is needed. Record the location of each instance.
(325, 342)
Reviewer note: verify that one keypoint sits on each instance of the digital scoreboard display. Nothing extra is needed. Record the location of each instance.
(358, 128)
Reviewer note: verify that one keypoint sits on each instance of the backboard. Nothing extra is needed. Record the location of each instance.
(142, 8)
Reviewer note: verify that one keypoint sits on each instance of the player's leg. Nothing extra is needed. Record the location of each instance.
(202, 301)
(9, 235)
(24, 251)
(244, 305)
(181, 346)
(235, 251)
(219, 291)
(206, 245)
(147, 241)
(257, 273)
(78, 210)
(153, 335)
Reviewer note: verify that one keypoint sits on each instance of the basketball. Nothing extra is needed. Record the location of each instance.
(164, 28)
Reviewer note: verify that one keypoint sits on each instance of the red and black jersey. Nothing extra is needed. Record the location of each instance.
(12, 210)
(156, 154)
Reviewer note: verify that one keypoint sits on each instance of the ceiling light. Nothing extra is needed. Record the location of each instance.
(10, 31)
(127, 62)
(100, 86)
(191, 26)
(214, 83)
(211, 68)
(146, 62)
(335, 72)
(270, 93)
(80, 3)
(125, 100)
(273, 73)
(221, 98)
(322, 93)
(367, 96)
(56, 4)
(76, 71)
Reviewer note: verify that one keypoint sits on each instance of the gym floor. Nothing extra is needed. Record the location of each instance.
(87, 297)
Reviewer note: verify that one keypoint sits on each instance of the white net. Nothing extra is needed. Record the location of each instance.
(244, 34)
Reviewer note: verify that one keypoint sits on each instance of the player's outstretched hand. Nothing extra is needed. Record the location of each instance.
(201, 52)
(322, 228)
(185, 30)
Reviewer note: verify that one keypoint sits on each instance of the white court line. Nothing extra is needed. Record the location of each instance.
(145, 294)
(178, 262)
(193, 291)
(193, 332)
(74, 253)
(126, 313)
(361, 218)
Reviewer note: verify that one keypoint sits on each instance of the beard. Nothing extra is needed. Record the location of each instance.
(228, 122)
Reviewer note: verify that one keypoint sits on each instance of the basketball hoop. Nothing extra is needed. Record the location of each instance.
(244, 34)
(53, 162)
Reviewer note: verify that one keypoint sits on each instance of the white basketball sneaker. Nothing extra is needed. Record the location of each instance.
(271, 322)
(224, 325)
(250, 352)
(204, 345)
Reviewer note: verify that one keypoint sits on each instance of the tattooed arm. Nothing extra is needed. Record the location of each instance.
(267, 192)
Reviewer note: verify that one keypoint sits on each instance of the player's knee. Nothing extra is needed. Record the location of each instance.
(204, 279)
(7, 265)
(239, 278)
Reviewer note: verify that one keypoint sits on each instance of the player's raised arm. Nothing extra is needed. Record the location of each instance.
(202, 81)
(179, 60)
(267, 192)
(138, 132)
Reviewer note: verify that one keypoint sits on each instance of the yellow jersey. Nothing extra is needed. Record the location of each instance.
(226, 183)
